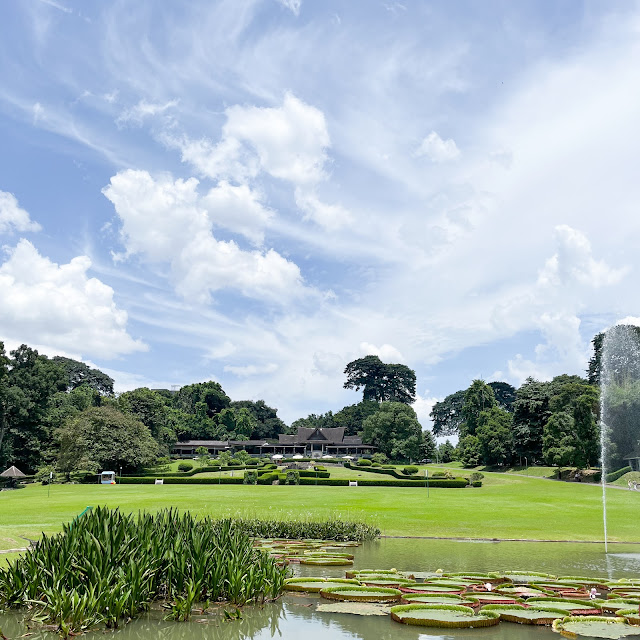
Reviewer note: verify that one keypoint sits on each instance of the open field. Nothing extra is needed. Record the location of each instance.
(507, 506)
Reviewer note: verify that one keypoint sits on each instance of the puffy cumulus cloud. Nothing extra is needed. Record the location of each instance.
(328, 364)
(292, 5)
(423, 406)
(137, 114)
(288, 142)
(386, 352)
(437, 149)
(60, 307)
(573, 263)
(251, 369)
(12, 217)
(238, 209)
(165, 220)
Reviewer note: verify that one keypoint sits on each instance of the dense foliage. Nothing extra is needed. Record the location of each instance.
(381, 382)
(107, 567)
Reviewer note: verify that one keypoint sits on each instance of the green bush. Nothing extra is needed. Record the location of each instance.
(410, 470)
(235, 463)
(314, 474)
(250, 477)
(292, 477)
(375, 464)
(388, 466)
(380, 458)
(612, 477)
(363, 462)
(185, 466)
(475, 476)
(252, 462)
(319, 468)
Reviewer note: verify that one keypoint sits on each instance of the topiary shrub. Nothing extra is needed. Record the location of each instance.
(235, 463)
(475, 477)
(363, 462)
(410, 470)
(380, 458)
(375, 464)
(292, 477)
(185, 466)
(252, 462)
(250, 477)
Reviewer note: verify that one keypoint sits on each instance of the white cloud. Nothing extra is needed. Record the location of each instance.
(437, 149)
(165, 221)
(12, 217)
(238, 209)
(287, 142)
(292, 5)
(423, 406)
(330, 216)
(629, 320)
(221, 351)
(386, 352)
(252, 369)
(59, 307)
(574, 264)
(137, 114)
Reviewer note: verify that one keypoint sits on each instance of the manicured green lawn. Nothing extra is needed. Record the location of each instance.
(505, 507)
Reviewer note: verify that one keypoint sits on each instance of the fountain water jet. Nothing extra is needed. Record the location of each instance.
(618, 372)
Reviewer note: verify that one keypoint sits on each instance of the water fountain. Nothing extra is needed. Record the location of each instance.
(619, 376)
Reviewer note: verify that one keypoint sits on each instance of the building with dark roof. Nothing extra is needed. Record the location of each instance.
(634, 460)
(309, 442)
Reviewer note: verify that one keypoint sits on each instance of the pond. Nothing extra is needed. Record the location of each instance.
(295, 616)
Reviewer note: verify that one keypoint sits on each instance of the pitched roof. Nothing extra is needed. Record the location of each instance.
(633, 455)
(13, 472)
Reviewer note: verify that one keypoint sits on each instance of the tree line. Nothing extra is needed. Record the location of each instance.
(555, 422)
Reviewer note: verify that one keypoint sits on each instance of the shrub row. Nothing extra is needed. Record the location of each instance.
(331, 482)
(390, 472)
(612, 477)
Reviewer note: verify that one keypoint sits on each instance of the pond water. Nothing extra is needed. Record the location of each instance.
(295, 617)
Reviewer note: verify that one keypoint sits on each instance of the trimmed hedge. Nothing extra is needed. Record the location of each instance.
(612, 477)
(222, 480)
(331, 482)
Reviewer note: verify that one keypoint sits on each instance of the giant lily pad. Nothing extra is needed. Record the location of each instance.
(524, 577)
(329, 561)
(447, 616)
(315, 585)
(632, 616)
(392, 583)
(432, 587)
(572, 607)
(522, 591)
(361, 594)
(495, 598)
(356, 608)
(442, 598)
(615, 604)
(522, 615)
(325, 554)
(595, 627)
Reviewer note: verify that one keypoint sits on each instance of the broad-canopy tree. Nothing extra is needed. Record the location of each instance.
(447, 415)
(381, 382)
(395, 431)
(478, 397)
(103, 438)
(204, 398)
(267, 424)
(78, 373)
(353, 416)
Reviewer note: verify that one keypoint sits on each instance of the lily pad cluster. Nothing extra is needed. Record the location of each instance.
(324, 553)
(460, 600)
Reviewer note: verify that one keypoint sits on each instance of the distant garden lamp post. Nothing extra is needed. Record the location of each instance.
(526, 466)
(120, 474)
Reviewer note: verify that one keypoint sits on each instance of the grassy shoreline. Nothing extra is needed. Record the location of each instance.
(507, 506)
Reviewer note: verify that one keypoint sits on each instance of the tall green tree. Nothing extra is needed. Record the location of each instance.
(78, 373)
(447, 415)
(267, 425)
(505, 395)
(447, 452)
(202, 398)
(395, 431)
(478, 397)
(154, 411)
(495, 436)
(381, 382)
(103, 438)
(4, 402)
(32, 382)
(353, 416)
(469, 451)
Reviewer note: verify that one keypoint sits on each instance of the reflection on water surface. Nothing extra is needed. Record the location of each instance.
(294, 617)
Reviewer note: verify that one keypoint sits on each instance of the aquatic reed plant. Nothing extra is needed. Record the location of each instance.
(108, 566)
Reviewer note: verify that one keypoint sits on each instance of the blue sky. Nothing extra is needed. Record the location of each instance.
(260, 191)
